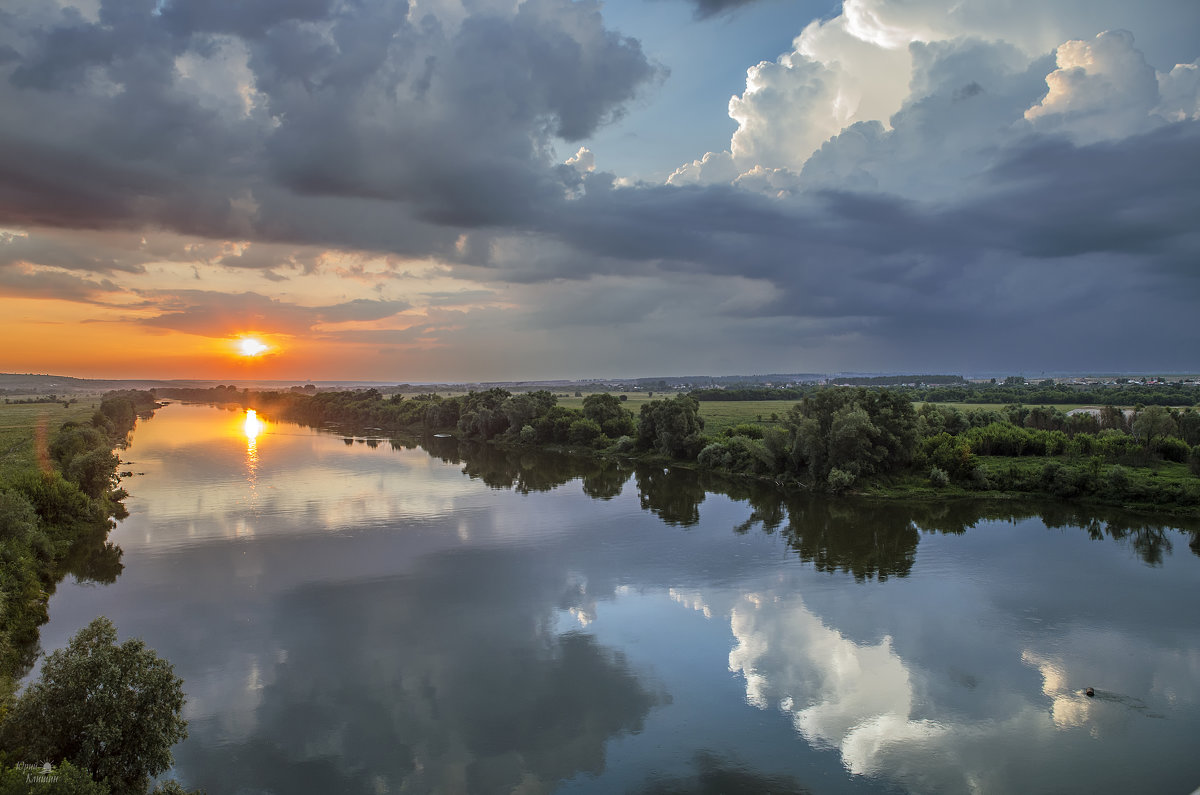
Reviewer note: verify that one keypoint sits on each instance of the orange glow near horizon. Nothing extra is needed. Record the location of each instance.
(59, 338)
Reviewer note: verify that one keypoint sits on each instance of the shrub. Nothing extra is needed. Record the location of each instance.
(1194, 461)
(1171, 448)
(840, 480)
(745, 429)
(938, 477)
(624, 444)
(1118, 482)
(583, 432)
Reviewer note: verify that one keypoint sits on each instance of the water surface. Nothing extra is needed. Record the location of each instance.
(354, 616)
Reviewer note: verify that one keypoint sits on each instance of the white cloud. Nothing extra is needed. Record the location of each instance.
(1180, 92)
(583, 160)
(855, 71)
(714, 167)
(1102, 89)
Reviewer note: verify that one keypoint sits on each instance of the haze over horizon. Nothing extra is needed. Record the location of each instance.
(449, 191)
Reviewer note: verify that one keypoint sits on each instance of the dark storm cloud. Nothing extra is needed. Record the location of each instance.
(341, 103)
(1140, 195)
(214, 314)
(247, 18)
(52, 284)
(1046, 199)
(711, 8)
(58, 253)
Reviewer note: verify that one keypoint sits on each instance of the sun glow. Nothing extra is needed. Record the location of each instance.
(249, 346)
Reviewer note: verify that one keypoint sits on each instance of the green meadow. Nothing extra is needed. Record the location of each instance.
(19, 424)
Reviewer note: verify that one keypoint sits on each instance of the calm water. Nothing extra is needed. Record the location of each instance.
(356, 617)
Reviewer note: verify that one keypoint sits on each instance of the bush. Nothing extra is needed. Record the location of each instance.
(584, 432)
(1117, 482)
(1194, 461)
(737, 454)
(1171, 448)
(745, 429)
(938, 477)
(840, 480)
(624, 444)
(951, 454)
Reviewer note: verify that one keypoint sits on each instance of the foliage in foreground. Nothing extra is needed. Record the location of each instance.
(111, 710)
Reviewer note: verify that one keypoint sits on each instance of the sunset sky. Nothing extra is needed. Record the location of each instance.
(446, 190)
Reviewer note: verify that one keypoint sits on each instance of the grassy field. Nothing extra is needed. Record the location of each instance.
(1164, 472)
(721, 414)
(718, 414)
(19, 424)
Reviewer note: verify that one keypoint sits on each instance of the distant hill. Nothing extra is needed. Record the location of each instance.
(25, 383)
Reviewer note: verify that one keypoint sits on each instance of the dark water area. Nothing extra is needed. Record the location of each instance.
(355, 615)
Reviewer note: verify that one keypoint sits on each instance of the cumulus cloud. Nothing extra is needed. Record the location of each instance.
(1102, 89)
(867, 63)
(1180, 91)
(714, 167)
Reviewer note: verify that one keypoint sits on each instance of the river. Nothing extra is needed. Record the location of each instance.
(353, 615)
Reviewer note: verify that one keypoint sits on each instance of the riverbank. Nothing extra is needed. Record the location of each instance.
(58, 501)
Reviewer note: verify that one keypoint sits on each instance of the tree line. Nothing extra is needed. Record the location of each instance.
(1176, 394)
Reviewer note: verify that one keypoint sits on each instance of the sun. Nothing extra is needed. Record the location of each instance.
(249, 346)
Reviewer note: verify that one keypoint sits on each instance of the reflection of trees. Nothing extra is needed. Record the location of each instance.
(863, 537)
(1148, 539)
(674, 496)
(521, 470)
(94, 558)
(838, 535)
(605, 480)
(450, 680)
(526, 470)
(716, 775)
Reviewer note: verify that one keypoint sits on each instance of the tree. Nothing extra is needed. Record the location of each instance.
(113, 710)
(606, 411)
(523, 409)
(1112, 417)
(671, 427)
(858, 431)
(1152, 422)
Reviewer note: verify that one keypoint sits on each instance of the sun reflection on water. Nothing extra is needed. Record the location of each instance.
(253, 427)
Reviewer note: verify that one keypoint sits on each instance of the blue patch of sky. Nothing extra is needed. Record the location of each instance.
(687, 114)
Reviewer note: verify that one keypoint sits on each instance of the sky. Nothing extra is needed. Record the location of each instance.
(462, 190)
